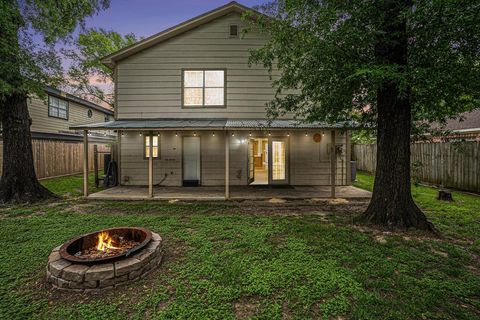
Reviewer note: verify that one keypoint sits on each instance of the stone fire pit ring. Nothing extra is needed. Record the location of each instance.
(96, 276)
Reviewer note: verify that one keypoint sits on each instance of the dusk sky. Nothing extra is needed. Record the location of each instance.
(147, 17)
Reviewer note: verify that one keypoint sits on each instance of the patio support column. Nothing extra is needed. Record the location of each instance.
(85, 163)
(227, 166)
(333, 164)
(150, 165)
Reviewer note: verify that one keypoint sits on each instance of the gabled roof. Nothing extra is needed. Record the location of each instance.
(230, 7)
(467, 121)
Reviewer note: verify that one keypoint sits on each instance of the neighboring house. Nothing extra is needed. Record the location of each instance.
(53, 117)
(466, 127)
(56, 148)
(190, 110)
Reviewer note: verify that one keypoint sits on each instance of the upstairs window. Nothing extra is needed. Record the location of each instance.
(57, 108)
(204, 88)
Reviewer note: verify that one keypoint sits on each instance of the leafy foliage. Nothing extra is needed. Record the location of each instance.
(89, 78)
(26, 65)
(326, 51)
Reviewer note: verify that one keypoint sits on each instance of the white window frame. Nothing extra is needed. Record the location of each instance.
(54, 110)
(147, 146)
(203, 105)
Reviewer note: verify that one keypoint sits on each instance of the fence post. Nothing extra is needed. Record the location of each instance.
(95, 164)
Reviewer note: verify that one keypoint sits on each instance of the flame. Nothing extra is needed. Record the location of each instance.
(105, 242)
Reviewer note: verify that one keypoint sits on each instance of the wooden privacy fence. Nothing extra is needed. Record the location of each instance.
(53, 158)
(449, 164)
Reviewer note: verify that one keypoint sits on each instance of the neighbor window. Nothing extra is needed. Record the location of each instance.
(57, 108)
(203, 88)
(146, 142)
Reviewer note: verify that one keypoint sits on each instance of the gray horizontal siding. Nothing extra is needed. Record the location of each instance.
(41, 122)
(149, 82)
(309, 161)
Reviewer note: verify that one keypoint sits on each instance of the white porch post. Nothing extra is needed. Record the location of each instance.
(150, 165)
(333, 164)
(227, 166)
(85, 163)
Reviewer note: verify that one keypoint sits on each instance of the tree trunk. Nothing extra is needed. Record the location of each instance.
(19, 182)
(392, 203)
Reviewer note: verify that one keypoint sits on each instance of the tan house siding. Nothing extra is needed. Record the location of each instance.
(77, 114)
(149, 82)
(309, 161)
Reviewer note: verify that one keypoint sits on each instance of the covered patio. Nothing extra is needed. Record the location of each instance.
(236, 193)
(227, 129)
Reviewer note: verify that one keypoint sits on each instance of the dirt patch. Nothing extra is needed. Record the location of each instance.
(245, 308)
(320, 207)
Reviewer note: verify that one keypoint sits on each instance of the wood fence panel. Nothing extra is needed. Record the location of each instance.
(53, 158)
(449, 164)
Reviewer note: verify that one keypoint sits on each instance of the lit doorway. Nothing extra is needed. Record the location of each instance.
(258, 161)
(267, 161)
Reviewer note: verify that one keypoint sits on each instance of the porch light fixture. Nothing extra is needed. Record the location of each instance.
(323, 133)
(176, 134)
(306, 134)
(213, 134)
(195, 134)
(288, 134)
(123, 133)
(140, 134)
(233, 134)
(269, 134)
(249, 134)
(158, 134)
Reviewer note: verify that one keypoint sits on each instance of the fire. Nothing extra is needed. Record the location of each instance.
(104, 242)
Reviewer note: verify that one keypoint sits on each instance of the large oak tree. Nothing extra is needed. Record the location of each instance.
(25, 68)
(391, 64)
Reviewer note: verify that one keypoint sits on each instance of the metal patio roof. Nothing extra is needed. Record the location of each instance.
(219, 124)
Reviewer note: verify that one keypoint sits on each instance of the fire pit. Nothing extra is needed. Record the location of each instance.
(104, 259)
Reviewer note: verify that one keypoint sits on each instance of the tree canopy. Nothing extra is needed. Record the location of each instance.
(326, 51)
(88, 77)
(30, 29)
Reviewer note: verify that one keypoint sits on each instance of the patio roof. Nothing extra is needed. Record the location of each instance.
(219, 124)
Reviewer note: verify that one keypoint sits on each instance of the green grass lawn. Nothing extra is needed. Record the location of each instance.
(222, 262)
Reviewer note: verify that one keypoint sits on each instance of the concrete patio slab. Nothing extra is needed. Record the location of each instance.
(236, 193)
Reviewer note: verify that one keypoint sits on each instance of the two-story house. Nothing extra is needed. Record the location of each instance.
(55, 146)
(190, 111)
